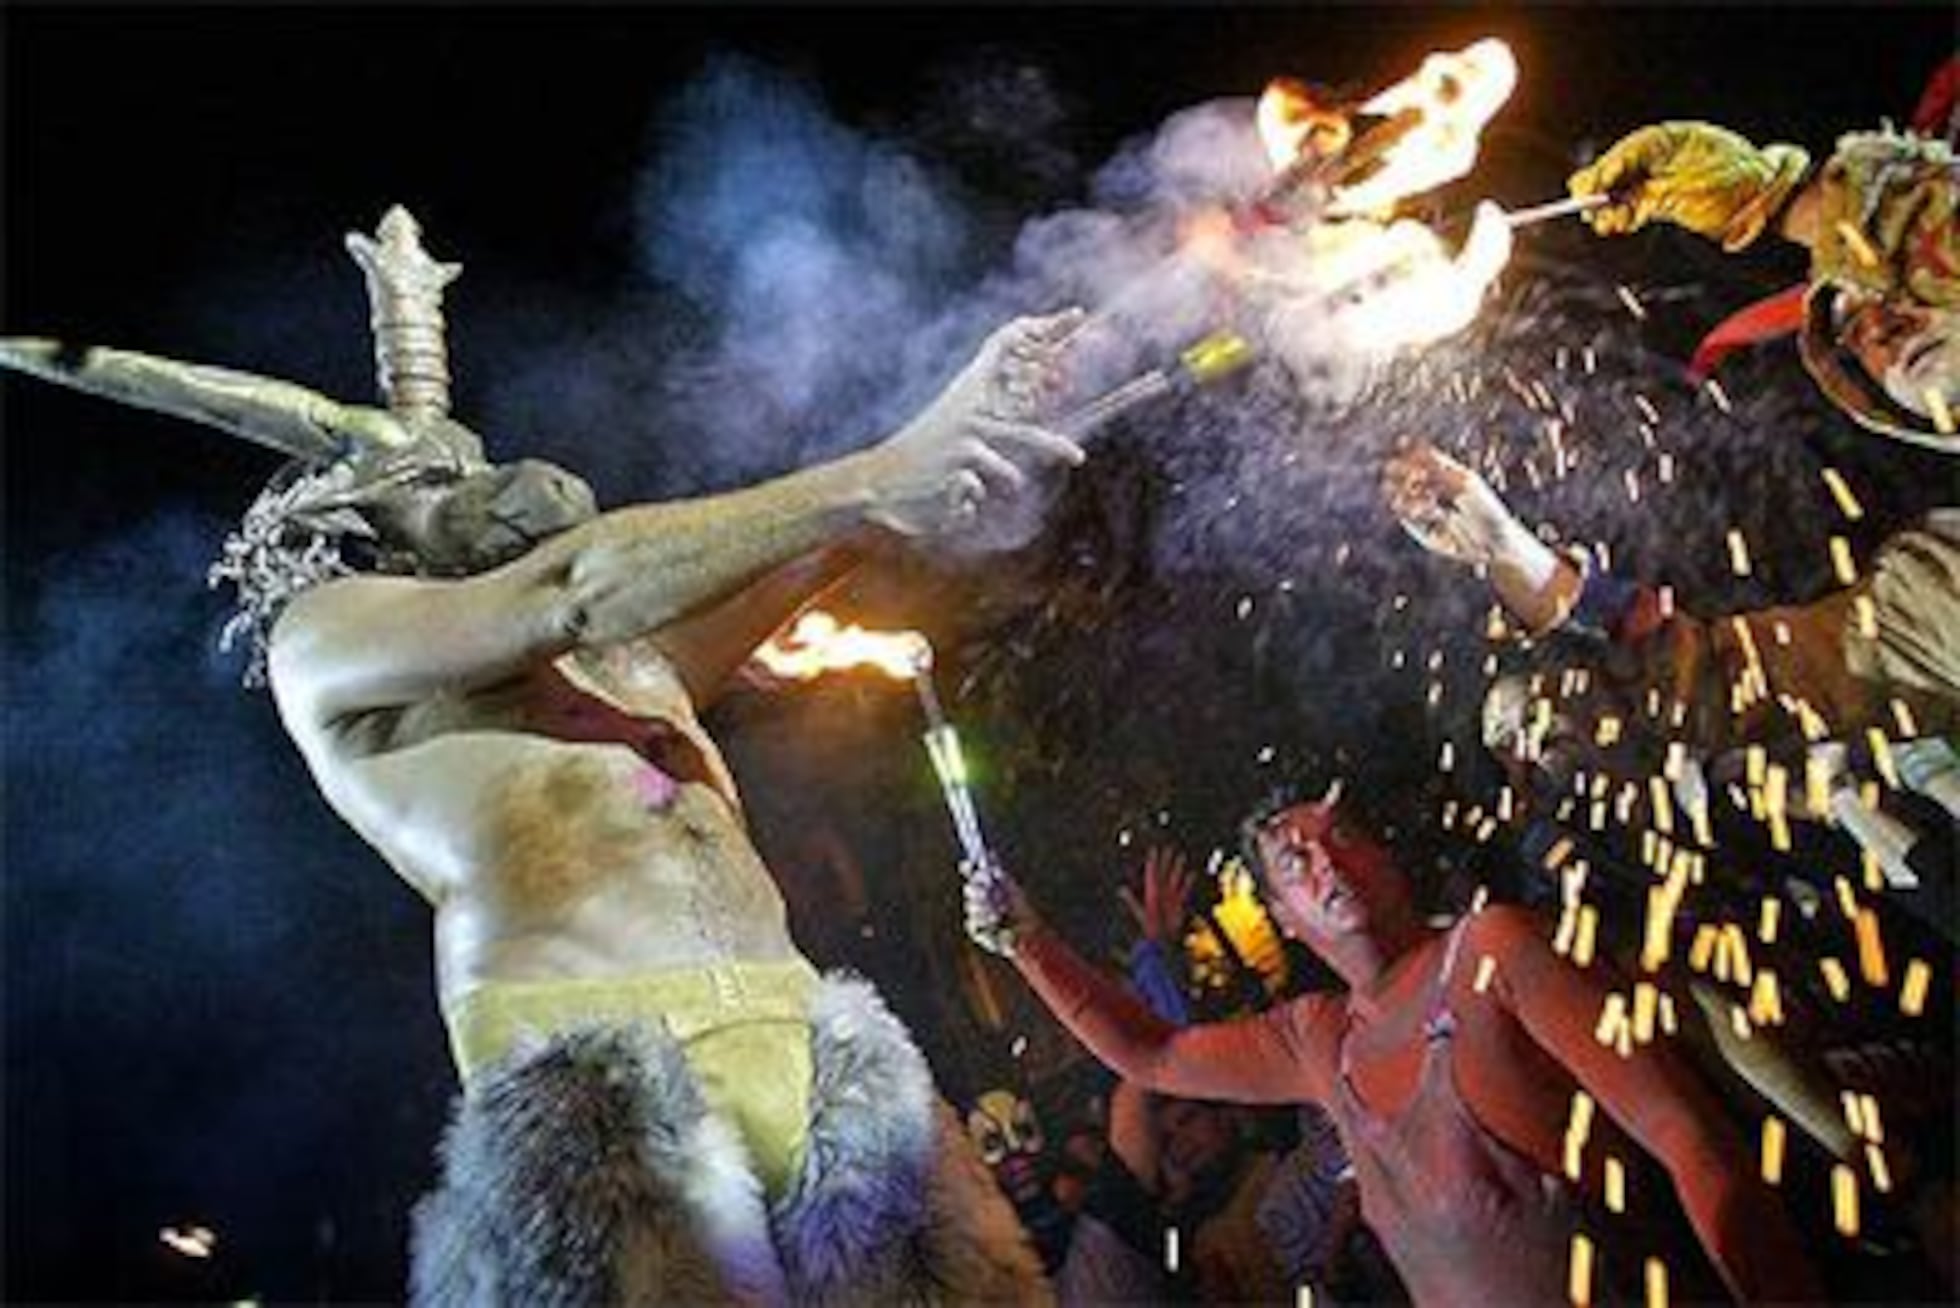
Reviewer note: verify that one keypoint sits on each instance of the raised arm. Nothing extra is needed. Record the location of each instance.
(376, 641)
(1449, 510)
(1655, 1096)
(264, 410)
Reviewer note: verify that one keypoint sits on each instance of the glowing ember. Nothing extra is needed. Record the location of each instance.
(818, 643)
(190, 1241)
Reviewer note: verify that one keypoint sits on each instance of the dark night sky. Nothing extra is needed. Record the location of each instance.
(217, 1003)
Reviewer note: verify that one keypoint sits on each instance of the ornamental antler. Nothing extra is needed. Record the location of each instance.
(277, 414)
(405, 290)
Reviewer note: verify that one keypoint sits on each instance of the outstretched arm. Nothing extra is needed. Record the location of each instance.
(1695, 175)
(1656, 1098)
(265, 410)
(1284, 1055)
(375, 641)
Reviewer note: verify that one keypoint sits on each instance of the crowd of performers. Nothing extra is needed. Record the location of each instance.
(497, 685)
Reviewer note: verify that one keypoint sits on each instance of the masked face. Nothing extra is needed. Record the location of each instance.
(459, 522)
(1005, 1130)
(1911, 350)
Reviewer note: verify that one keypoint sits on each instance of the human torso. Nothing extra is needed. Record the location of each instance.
(1454, 1117)
(575, 821)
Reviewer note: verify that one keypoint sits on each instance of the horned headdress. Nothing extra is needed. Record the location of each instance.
(342, 455)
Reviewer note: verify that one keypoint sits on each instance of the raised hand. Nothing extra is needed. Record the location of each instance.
(1695, 175)
(973, 448)
(997, 912)
(1447, 508)
(1161, 911)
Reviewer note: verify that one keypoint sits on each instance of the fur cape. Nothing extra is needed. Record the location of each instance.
(588, 1170)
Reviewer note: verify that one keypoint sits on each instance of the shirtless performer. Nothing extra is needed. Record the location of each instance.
(497, 686)
(1451, 1095)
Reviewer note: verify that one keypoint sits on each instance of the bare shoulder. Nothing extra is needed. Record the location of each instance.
(1505, 926)
(319, 627)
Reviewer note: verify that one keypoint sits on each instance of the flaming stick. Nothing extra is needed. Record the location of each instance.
(818, 643)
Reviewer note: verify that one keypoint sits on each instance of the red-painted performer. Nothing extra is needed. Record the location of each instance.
(1452, 1083)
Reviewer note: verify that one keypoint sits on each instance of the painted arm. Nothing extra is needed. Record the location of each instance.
(706, 648)
(369, 642)
(1283, 1055)
(1656, 1098)
(373, 642)
(1132, 1137)
(264, 410)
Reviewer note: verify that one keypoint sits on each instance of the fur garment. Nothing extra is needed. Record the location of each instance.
(588, 1170)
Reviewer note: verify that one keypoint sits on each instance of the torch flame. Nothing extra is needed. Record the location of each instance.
(1427, 296)
(1294, 125)
(818, 643)
(1455, 94)
(1437, 114)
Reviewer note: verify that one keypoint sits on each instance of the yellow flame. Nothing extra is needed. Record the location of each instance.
(1398, 286)
(1292, 124)
(1456, 94)
(818, 643)
(1246, 924)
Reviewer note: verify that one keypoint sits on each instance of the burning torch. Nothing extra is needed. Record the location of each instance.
(818, 643)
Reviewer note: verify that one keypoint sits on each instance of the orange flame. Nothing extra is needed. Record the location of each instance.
(1294, 126)
(1356, 277)
(818, 643)
(1449, 100)
(1456, 94)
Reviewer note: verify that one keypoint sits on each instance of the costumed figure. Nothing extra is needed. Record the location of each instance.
(496, 685)
(1879, 316)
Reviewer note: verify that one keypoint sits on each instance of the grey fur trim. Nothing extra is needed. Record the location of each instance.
(588, 1170)
(892, 1205)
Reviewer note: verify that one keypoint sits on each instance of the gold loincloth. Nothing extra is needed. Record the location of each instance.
(743, 1027)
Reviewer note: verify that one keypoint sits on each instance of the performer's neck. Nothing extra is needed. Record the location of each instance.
(1369, 961)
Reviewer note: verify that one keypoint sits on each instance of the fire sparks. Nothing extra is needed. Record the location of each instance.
(1912, 991)
(1844, 1200)
(1774, 1135)
(819, 643)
